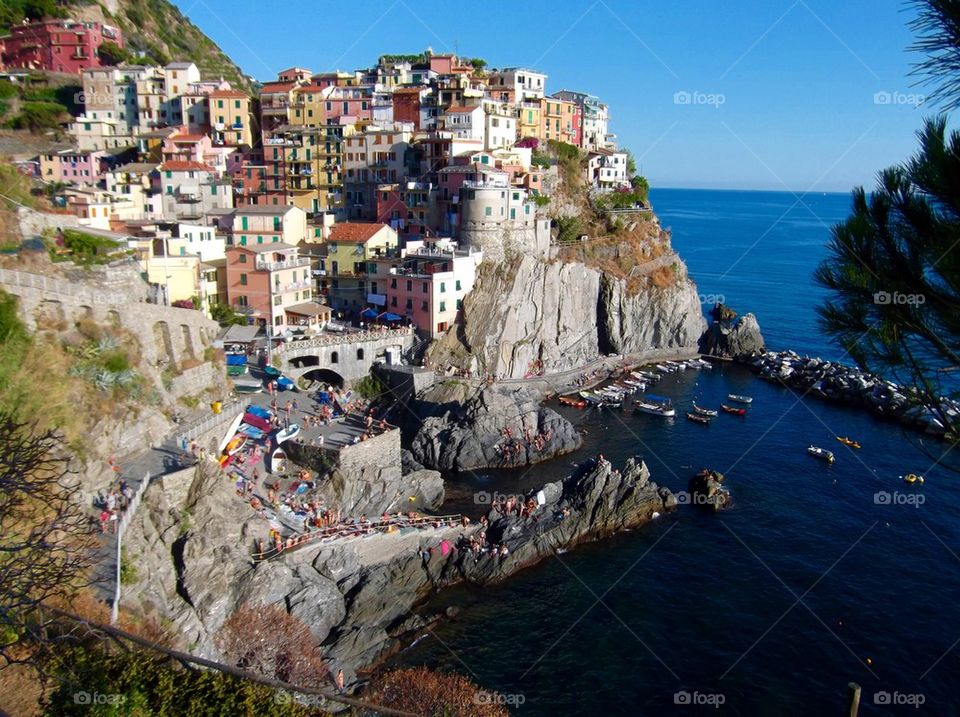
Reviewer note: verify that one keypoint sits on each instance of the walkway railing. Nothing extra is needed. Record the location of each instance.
(125, 520)
(352, 530)
(346, 338)
(227, 413)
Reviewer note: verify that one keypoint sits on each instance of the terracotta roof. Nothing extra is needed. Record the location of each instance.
(178, 166)
(460, 109)
(355, 232)
(183, 138)
(228, 93)
(277, 87)
(409, 90)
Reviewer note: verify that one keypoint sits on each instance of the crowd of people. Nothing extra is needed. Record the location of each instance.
(513, 446)
(113, 502)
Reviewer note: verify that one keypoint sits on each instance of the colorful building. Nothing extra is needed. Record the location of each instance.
(57, 45)
(230, 118)
(267, 224)
(271, 283)
(351, 247)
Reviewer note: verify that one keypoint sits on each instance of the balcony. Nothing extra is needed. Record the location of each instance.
(292, 286)
(295, 263)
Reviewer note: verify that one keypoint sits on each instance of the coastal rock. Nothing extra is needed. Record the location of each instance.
(191, 545)
(705, 491)
(474, 434)
(732, 337)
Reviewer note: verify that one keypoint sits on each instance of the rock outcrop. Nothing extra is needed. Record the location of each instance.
(358, 596)
(730, 336)
(503, 426)
(705, 490)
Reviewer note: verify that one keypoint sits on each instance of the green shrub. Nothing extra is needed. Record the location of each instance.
(37, 116)
(369, 387)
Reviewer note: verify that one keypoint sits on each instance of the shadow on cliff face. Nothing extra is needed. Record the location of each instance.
(179, 565)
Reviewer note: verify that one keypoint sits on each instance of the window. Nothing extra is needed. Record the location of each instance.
(335, 357)
(458, 287)
(243, 280)
(278, 321)
(409, 303)
(488, 211)
(443, 306)
(213, 189)
(443, 286)
(459, 304)
(393, 283)
(409, 285)
(393, 301)
(359, 354)
(243, 223)
(242, 259)
(425, 306)
(425, 288)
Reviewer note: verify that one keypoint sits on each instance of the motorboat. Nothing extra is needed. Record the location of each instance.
(912, 478)
(737, 398)
(572, 402)
(735, 410)
(699, 418)
(822, 453)
(278, 461)
(708, 412)
(655, 405)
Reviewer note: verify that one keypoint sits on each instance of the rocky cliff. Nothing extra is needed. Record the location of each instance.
(190, 543)
(532, 314)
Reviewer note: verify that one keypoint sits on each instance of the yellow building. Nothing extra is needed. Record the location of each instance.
(530, 120)
(305, 166)
(350, 249)
(230, 118)
(307, 106)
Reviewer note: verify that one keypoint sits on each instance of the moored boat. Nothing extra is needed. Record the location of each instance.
(737, 398)
(248, 385)
(708, 412)
(572, 402)
(848, 441)
(735, 410)
(250, 431)
(911, 478)
(699, 418)
(278, 461)
(655, 405)
(822, 453)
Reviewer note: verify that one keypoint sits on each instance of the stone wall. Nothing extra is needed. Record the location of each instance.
(197, 379)
(112, 295)
(350, 356)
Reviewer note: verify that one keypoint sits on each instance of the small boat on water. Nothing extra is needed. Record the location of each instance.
(708, 412)
(287, 433)
(665, 368)
(735, 410)
(699, 418)
(736, 398)
(278, 461)
(911, 478)
(821, 453)
(848, 442)
(655, 405)
(591, 398)
(572, 402)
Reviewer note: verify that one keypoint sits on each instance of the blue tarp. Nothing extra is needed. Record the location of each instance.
(391, 317)
(236, 359)
(369, 314)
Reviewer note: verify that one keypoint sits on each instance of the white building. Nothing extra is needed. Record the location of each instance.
(607, 169)
(465, 122)
(500, 126)
(191, 189)
(523, 83)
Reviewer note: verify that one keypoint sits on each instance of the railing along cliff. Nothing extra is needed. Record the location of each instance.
(125, 520)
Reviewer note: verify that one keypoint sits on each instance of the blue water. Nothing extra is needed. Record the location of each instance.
(774, 605)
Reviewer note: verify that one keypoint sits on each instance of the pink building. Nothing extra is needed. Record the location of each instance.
(355, 103)
(57, 45)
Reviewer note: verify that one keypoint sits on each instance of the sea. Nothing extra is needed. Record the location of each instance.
(819, 576)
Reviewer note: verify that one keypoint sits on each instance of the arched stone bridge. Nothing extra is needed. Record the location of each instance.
(348, 355)
(166, 334)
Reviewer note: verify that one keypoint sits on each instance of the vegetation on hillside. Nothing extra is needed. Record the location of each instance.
(14, 11)
(437, 694)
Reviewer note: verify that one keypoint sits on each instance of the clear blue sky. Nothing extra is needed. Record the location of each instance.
(797, 78)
